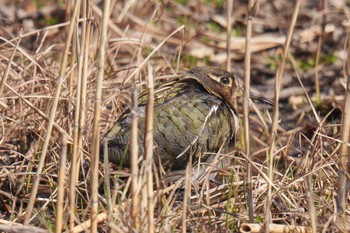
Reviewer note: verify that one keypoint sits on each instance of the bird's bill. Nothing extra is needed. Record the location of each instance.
(253, 96)
(260, 98)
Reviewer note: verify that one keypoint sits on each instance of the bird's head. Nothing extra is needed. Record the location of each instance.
(218, 82)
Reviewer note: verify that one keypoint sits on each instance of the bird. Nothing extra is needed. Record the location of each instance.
(194, 118)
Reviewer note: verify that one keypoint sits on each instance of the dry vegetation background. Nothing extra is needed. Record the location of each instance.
(171, 36)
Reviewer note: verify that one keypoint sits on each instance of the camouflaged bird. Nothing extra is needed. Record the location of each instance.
(193, 117)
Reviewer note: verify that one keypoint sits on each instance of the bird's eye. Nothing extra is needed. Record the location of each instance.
(225, 80)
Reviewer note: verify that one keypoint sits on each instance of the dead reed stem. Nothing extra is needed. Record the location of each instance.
(187, 195)
(275, 117)
(61, 79)
(149, 148)
(60, 186)
(84, 83)
(10, 228)
(273, 228)
(228, 34)
(87, 224)
(344, 157)
(310, 202)
(322, 6)
(246, 94)
(95, 148)
(134, 155)
(78, 105)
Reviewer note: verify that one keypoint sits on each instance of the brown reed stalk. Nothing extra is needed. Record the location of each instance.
(145, 182)
(95, 148)
(12, 228)
(136, 179)
(149, 148)
(322, 6)
(61, 79)
(68, 10)
(344, 157)
(278, 81)
(82, 114)
(78, 114)
(71, 78)
(228, 34)
(134, 151)
(61, 182)
(246, 94)
(276, 228)
(187, 195)
(311, 204)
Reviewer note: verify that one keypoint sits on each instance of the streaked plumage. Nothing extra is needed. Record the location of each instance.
(193, 116)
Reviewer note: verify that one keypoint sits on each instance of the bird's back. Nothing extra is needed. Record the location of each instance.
(187, 121)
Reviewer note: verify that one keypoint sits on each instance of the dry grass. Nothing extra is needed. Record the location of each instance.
(293, 158)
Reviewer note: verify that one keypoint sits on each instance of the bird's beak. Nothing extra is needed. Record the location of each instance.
(261, 99)
(253, 96)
